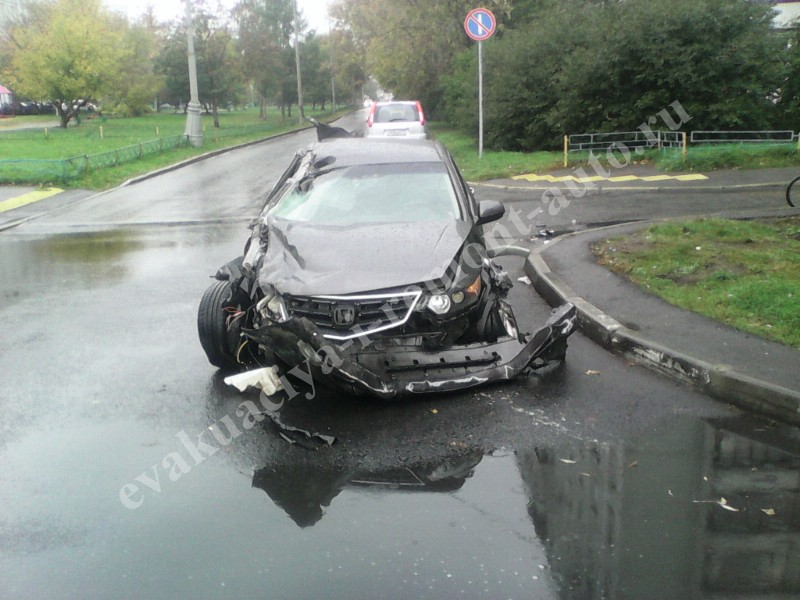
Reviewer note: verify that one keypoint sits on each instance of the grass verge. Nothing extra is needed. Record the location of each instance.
(105, 134)
(494, 164)
(731, 156)
(497, 165)
(743, 273)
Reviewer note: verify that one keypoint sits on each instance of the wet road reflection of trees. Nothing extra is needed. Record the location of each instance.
(694, 510)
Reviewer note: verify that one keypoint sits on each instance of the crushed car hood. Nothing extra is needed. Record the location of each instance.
(309, 260)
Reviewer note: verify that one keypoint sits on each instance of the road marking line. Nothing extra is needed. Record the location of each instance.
(28, 198)
(562, 179)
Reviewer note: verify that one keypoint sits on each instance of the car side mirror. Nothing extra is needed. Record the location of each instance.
(489, 211)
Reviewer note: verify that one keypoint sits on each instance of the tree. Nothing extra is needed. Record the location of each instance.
(590, 65)
(410, 46)
(348, 68)
(134, 93)
(316, 72)
(67, 51)
(265, 31)
(719, 58)
(219, 76)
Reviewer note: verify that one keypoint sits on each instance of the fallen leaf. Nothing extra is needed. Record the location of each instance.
(770, 512)
(633, 464)
(592, 372)
(724, 504)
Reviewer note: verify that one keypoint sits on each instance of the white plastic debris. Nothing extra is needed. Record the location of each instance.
(266, 378)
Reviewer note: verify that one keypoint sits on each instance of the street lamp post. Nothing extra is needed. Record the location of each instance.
(333, 67)
(194, 126)
(301, 116)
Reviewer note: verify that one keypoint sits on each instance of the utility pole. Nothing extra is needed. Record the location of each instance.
(194, 126)
(333, 67)
(301, 116)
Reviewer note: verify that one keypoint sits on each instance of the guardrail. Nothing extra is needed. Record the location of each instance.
(603, 141)
(669, 140)
(638, 141)
(743, 137)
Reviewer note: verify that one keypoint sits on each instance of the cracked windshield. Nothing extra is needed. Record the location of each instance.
(376, 299)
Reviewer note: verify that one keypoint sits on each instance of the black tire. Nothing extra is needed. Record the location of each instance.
(792, 193)
(218, 342)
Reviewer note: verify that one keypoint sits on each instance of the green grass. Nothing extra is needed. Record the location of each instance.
(493, 165)
(27, 120)
(731, 156)
(496, 165)
(104, 134)
(743, 273)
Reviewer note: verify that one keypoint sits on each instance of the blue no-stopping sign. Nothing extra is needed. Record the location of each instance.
(480, 24)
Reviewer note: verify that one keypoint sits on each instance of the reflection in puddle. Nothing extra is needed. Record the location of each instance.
(648, 520)
(52, 264)
(66, 261)
(304, 491)
(694, 510)
(105, 246)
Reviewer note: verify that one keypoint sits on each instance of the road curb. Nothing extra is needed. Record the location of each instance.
(719, 381)
(143, 177)
(637, 188)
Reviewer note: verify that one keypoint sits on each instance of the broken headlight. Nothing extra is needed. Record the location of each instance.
(454, 301)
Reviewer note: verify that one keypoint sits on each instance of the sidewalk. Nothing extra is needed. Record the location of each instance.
(728, 364)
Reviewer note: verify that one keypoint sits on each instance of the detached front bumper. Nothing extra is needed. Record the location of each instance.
(390, 371)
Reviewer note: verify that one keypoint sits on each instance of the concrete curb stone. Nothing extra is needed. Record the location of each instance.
(719, 381)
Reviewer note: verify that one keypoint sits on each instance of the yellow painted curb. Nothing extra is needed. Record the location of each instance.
(621, 178)
(28, 198)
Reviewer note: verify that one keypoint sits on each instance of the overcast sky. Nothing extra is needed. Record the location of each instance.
(316, 11)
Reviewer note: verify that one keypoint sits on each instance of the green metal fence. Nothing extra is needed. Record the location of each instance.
(36, 171)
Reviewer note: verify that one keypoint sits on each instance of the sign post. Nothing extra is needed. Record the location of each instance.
(480, 25)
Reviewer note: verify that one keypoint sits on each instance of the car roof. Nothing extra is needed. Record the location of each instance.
(368, 151)
(387, 102)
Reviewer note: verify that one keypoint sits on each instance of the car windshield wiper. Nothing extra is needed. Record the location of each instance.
(305, 183)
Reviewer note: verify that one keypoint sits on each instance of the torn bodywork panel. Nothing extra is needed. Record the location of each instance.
(368, 263)
(390, 370)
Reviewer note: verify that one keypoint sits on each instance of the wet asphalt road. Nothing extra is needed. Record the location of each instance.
(596, 480)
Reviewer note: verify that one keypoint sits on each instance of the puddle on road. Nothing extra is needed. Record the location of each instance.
(31, 264)
(642, 517)
(695, 509)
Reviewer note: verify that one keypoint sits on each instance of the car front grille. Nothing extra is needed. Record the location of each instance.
(347, 317)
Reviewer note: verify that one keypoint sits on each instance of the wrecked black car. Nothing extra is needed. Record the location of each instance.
(369, 265)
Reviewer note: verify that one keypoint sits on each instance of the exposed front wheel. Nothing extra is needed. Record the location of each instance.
(220, 342)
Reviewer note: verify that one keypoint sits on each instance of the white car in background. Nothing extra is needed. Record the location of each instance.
(397, 119)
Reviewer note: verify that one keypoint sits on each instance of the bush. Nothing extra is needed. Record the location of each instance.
(590, 66)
